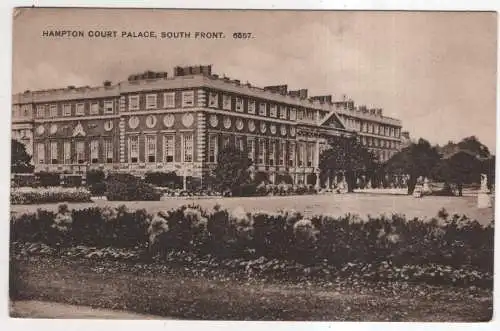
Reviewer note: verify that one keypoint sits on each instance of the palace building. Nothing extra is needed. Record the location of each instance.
(153, 122)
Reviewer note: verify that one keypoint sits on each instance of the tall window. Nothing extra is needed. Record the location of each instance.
(133, 102)
(67, 152)
(225, 141)
(133, 147)
(283, 112)
(80, 109)
(40, 111)
(212, 148)
(262, 109)
(187, 99)
(169, 148)
(53, 111)
(251, 148)
(291, 154)
(94, 108)
(293, 114)
(300, 114)
(53, 152)
(226, 102)
(80, 152)
(151, 148)
(40, 151)
(213, 100)
(239, 142)
(108, 106)
(251, 106)
(281, 153)
(94, 151)
(169, 100)
(151, 101)
(67, 110)
(302, 152)
(262, 151)
(273, 111)
(239, 104)
(108, 150)
(272, 152)
(187, 150)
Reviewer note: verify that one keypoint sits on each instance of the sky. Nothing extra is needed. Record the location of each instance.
(434, 71)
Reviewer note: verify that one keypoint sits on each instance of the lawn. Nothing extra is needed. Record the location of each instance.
(338, 205)
(185, 293)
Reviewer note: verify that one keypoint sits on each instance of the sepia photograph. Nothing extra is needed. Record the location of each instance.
(252, 165)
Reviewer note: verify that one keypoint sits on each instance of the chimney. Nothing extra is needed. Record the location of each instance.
(379, 112)
(323, 98)
(281, 89)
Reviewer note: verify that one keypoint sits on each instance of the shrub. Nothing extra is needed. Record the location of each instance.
(164, 179)
(28, 195)
(47, 179)
(283, 178)
(95, 176)
(24, 180)
(126, 187)
(72, 181)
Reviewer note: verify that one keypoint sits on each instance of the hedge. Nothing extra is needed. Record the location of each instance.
(30, 195)
(451, 241)
(127, 187)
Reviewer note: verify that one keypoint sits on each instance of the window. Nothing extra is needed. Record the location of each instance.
(283, 112)
(310, 115)
(300, 114)
(108, 106)
(40, 111)
(133, 147)
(169, 100)
(40, 151)
(239, 104)
(251, 148)
(94, 151)
(108, 150)
(272, 152)
(133, 102)
(273, 111)
(225, 141)
(239, 142)
(187, 99)
(94, 108)
(187, 150)
(151, 101)
(310, 154)
(53, 111)
(67, 152)
(151, 148)
(302, 152)
(80, 152)
(169, 148)
(291, 154)
(281, 153)
(80, 109)
(262, 109)
(293, 114)
(363, 140)
(66, 110)
(212, 148)
(262, 151)
(251, 107)
(213, 100)
(53, 152)
(364, 127)
(226, 102)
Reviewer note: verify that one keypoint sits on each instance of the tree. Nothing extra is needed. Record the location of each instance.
(232, 168)
(20, 161)
(348, 155)
(418, 159)
(460, 168)
(473, 145)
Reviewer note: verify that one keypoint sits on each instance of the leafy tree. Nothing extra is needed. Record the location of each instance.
(346, 154)
(418, 159)
(474, 146)
(232, 168)
(20, 161)
(460, 168)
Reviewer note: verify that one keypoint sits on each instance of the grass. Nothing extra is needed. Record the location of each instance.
(337, 205)
(184, 293)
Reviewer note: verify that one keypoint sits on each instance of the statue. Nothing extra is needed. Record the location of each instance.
(484, 183)
(483, 197)
(426, 189)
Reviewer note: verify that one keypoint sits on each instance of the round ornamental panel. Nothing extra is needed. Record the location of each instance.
(272, 127)
(214, 121)
(251, 126)
(283, 130)
(133, 122)
(169, 120)
(53, 129)
(227, 122)
(108, 125)
(187, 120)
(151, 121)
(263, 127)
(292, 131)
(239, 124)
(40, 130)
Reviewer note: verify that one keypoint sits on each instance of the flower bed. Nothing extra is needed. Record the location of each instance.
(457, 250)
(30, 195)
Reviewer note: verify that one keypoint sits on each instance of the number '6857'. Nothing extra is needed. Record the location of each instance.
(242, 35)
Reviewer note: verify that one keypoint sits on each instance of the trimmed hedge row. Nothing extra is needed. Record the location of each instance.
(454, 241)
(28, 195)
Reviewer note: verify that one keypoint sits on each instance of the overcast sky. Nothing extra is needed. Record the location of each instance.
(434, 71)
